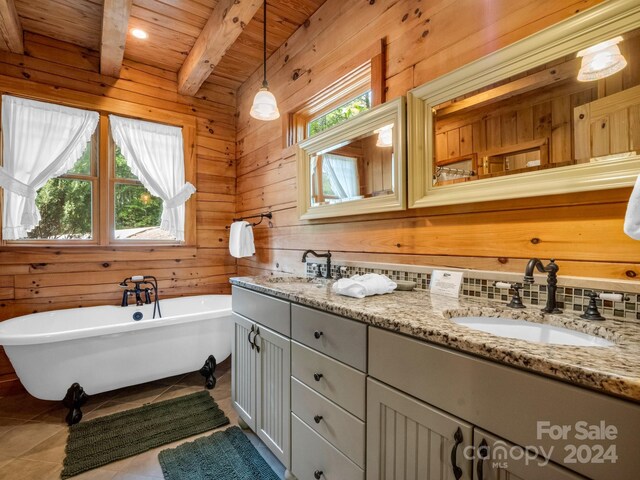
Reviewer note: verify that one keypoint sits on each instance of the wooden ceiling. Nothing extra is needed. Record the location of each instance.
(173, 27)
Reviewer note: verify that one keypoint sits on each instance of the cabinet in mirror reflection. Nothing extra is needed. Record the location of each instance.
(542, 118)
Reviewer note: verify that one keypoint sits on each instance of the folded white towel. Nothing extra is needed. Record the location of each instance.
(632, 218)
(360, 286)
(241, 240)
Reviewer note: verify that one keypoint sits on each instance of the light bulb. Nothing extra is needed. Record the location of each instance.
(385, 136)
(138, 33)
(264, 105)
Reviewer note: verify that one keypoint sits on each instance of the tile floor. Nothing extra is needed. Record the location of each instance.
(33, 433)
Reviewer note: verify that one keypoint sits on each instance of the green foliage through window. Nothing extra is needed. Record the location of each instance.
(65, 208)
(350, 109)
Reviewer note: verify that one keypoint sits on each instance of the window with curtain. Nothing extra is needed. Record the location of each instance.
(339, 177)
(50, 177)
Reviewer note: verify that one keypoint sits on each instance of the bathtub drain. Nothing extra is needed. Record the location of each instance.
(137, 316)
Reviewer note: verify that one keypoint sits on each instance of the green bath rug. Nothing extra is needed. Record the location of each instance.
(227, 455)
(97, 442)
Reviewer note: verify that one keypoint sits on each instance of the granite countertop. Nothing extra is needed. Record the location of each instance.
(614, 370)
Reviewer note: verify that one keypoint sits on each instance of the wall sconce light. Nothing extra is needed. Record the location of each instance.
(601, 60)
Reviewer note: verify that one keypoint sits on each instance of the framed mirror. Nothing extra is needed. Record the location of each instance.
(556, 112)
(355, 168)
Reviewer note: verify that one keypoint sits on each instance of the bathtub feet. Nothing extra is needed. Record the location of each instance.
(74, 399)
(207, 371)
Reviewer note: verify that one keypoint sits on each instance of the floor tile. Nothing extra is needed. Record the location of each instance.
(29, 470)
(50, 450)
(24, 406)
(177, 391)
(108, 408)
(97, 474)
(23, 438)
(7, 424)
(140, 394)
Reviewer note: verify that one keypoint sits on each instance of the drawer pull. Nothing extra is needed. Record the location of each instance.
(317, 474)
(317, 376)
(457, 471)
(317, 418)
(255, 337)
(249, 337)
(483, 452)
(317, 334)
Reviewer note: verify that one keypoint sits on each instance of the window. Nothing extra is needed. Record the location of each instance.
(359, 104)
(344, 99)
(99, 199)
(66, 202)
(136, 213)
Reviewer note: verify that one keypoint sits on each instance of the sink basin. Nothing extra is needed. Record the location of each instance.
(531, 331)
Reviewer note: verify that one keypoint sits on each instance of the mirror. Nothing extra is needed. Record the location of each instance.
(356, 167)
(554, 113)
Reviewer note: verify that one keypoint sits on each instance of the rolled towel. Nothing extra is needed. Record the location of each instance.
(360, 286)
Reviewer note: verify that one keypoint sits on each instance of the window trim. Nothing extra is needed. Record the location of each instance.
(102, 216)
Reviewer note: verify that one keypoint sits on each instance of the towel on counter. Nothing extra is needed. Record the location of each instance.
(360, 286)
(632, 218)
(241, 240)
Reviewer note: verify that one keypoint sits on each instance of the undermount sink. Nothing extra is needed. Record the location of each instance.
(531, 331)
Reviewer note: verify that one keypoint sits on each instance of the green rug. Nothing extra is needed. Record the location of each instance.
(227, 455)
(106, 439)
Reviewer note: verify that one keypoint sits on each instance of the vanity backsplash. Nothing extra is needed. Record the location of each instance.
(570, 298)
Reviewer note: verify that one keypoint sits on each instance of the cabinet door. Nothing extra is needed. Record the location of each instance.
(243, 370)
(410, 440)
(497, 459)
(273, 355)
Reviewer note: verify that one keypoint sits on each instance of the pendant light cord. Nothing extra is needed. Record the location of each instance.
(264, 47)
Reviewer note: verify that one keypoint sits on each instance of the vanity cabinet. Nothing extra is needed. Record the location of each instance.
(410, 440)
(525, 409)
(328, 395)
(261, 368)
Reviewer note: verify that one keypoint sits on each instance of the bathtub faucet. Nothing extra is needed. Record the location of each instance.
(150, 285)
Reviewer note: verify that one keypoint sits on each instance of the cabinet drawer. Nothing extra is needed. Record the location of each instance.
(268, 311)
(339, 427)
(340, 338)
(338, 382)
(314, 457)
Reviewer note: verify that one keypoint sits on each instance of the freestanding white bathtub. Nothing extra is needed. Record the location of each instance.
(104, 348)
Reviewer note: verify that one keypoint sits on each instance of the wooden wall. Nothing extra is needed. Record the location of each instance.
(38, 279)
(424, 40)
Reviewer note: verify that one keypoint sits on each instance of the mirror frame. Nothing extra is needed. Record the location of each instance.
(594, 25)
(390, 112)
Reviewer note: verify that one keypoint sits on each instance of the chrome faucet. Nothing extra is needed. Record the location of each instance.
(319, 255)
(552, 281)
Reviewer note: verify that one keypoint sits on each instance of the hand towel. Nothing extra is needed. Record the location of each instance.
(241, 240)
(632, 217)
(360, 286)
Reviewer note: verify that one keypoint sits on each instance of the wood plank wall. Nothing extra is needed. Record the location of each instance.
(424, 40)
(38, 279)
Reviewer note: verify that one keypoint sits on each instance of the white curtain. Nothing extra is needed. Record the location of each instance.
(155, 154)
(343, 175)
(41, 141)
(632, 217)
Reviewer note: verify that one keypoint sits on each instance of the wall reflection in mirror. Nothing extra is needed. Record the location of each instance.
(359, 168)
(581, 108)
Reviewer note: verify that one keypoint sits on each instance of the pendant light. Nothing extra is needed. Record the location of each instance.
(601, 60)
(264, 105)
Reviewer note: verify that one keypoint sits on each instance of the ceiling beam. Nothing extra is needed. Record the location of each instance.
(11, 37)
(115, 22)
(223, 28)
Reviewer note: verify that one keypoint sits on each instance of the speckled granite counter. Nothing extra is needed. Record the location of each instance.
(614, 370)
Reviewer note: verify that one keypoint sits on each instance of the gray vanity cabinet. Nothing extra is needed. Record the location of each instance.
(261, 369)
(410, 440)
(497, 459)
